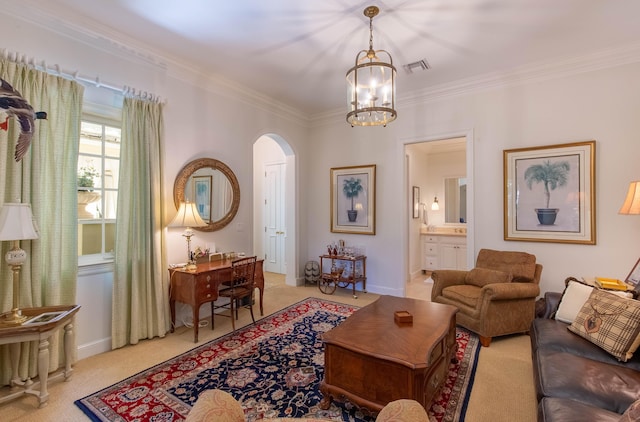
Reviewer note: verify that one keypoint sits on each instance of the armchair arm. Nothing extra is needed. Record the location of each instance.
(505, 291)
(445, 278)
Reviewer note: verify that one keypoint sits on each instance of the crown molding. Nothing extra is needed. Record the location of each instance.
(532, 73)
(113, 42)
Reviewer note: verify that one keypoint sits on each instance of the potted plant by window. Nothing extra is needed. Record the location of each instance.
(351, 189)
(86, 195)
(552, 176)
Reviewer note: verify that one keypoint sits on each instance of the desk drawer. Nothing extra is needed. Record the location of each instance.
(206, 287)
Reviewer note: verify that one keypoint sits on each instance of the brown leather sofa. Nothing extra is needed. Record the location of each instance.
(495, 298)
(576, 380)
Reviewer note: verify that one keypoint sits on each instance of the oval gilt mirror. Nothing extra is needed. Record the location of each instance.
(213, 186)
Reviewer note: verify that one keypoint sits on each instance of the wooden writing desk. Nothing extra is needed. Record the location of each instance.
(201, 286)
(58, 317)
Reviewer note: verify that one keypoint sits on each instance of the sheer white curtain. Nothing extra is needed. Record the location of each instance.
(46, 178)
(140, 289)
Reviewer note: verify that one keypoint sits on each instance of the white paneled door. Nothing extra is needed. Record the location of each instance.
(274, 218)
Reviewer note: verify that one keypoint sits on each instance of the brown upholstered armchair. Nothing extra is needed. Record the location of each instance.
(495, 298)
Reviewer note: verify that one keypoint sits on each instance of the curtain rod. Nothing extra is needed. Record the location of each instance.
(76, 76)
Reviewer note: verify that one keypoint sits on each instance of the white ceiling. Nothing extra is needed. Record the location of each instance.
(298, 51)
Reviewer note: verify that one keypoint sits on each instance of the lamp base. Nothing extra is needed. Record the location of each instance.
(12, 319)
(191, 266)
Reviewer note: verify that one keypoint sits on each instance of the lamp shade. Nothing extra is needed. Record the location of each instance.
(16, 222)
(632, 201)
(187, 216)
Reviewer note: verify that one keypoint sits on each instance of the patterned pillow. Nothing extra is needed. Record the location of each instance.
(632, 414)
(610, 322)
(482, 276)
(575, 294)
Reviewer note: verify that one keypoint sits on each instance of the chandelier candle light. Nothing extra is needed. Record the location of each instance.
(16, 224)
(188, 217)
(371, 84)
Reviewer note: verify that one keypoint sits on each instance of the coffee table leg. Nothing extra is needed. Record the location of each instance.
(325, 403)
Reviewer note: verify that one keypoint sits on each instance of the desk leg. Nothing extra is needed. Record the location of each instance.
(196, 322)
(172, 306)
(14, 351)
(261, 295)
(68, 350)
(43, 370)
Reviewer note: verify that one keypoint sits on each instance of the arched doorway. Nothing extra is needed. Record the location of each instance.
(274, 216)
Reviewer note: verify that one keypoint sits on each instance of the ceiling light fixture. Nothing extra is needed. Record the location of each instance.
(371, 85)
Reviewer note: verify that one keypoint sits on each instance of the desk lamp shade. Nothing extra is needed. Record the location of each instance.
(16, 224)
(188, 216)
(632, 201)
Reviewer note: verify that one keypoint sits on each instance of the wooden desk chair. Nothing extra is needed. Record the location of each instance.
(240, 287)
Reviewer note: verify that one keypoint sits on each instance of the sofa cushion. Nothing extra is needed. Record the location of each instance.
(563, 375)
(552, 409)
(551, 334)
(575, 294)
(521, 265)
(483, 276)
(464, 293)
(610, 322)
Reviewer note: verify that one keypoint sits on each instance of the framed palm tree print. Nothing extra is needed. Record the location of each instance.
(353, 199)
(549, 193)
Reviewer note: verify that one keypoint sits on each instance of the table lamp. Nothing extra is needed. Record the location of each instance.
(188, 216)
(16, 224)
(631, 203)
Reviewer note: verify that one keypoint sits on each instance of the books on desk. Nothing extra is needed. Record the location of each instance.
(610, 283)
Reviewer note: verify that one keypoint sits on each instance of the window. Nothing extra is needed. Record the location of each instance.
(98, 169)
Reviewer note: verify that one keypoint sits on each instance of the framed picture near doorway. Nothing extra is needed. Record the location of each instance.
(549, 193)
(353, 199)
(416, 202)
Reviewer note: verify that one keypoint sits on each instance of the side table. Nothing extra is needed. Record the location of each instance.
(42, 323)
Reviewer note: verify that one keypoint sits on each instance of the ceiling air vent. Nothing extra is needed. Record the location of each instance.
(419, 65)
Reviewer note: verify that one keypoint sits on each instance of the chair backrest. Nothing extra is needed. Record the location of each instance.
(243, 271)
(521, 265)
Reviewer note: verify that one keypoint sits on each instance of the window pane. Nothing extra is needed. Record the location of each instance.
(90, 138)
(111, 171)
(109, 238)
(110, 203)
(112, 142)
(89, 239)
(98, 172)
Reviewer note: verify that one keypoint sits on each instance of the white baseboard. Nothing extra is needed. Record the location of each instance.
(94, 348)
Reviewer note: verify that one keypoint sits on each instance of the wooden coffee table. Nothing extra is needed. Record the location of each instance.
(371, 360)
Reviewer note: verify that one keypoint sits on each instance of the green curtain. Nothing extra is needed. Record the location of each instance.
(140, 286)
(46, 178)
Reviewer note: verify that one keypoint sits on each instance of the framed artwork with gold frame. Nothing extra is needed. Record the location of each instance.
(549, 193)
(353, 199)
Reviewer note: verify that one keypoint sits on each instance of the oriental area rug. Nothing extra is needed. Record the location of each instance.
(273, 368)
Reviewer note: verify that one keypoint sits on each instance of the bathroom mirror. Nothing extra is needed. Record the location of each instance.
(455, 197)
(213, 186)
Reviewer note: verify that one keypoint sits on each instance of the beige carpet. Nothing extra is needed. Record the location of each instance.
(503, 389)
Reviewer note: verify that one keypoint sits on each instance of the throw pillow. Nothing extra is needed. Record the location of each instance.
(632, 414)
(482, 276)
(610, 322)
(573, 298)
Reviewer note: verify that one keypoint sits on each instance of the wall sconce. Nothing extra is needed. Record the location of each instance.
(435, 206)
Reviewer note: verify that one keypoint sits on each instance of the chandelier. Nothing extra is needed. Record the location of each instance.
(371, 84)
